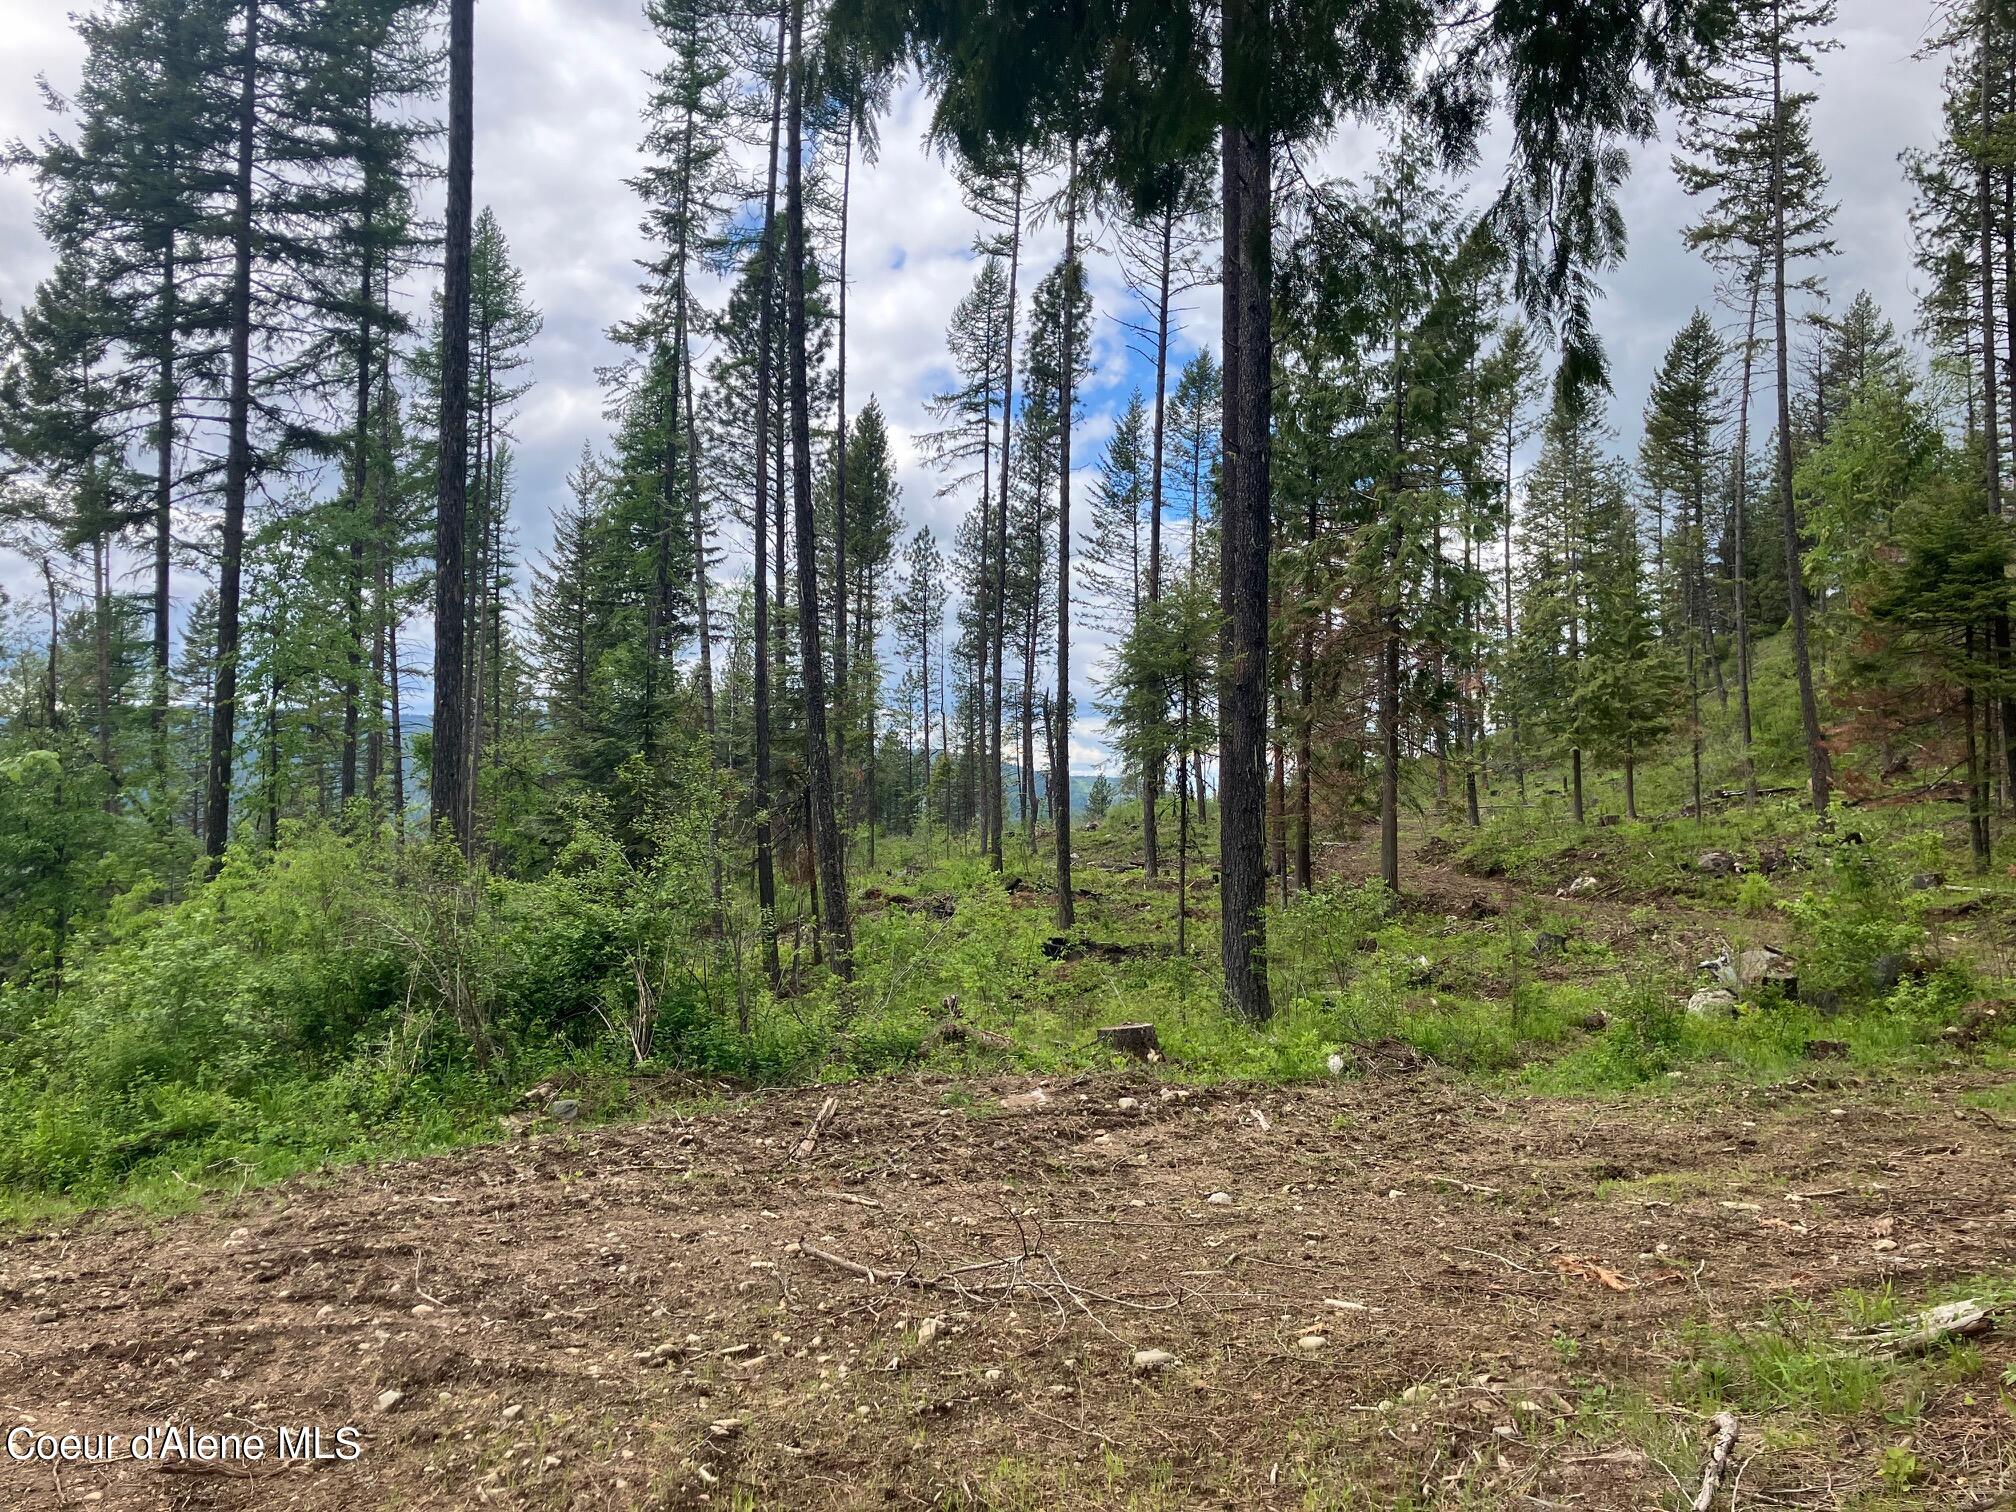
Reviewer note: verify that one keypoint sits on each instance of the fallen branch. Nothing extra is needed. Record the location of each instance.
(804, 1148)
(867, 1202)
(1726, 1431)
(1923, 1331)
(868, 1273)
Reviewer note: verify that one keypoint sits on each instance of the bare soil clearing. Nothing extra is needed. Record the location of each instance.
(625, 1317)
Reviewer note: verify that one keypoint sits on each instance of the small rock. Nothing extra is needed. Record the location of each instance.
(389, 1399)
(422, 1310)
(1547, 944)
(566, 1109)
(1582, 886)
(1129, 1104)
(1219, 1199)
(1310, 1343)
(1712, 1001)
(993, 1374)
(1716, 863)
(725, 1428)
(1035, 1099)
(513, 1413)
(1149, 1360)
(928, 1331)
(1336, 1064)
(1425, 1392)
(1927, 881)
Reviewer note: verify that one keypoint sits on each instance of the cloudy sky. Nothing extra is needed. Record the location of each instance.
(559, 86)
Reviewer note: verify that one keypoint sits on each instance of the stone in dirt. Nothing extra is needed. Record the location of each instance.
(1149, 1360)
(1547, 944)
(389, 1399)
(1716, 863)
(1710, 1001)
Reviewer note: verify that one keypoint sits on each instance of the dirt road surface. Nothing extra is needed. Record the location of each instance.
(1392, 1291)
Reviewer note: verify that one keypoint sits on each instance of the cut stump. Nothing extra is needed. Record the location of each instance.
(1137, 1040)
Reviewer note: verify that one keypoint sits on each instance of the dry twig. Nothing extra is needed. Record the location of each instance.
(1726, 1432)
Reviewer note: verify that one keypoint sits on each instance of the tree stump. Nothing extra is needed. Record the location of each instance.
(1137, 1040)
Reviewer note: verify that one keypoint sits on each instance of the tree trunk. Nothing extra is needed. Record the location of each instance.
(238, 460)
(360, 465)
(164, 498)
(1060, 801)
(766, 870)
(1152, 764)
(1817, 776)
(841, 701)
(994, 715)
(834, 922)
(1738, 528)
(445, 789)
(1247, 47)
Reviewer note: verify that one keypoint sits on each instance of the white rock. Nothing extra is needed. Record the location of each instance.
(1129, 1104)
(1336, 1064)
(1146, 1360)
(1310, 1343)
(513, 1413)
(1220, 1199)
(390, 1398)
(1712, 1002)
(929, 1330)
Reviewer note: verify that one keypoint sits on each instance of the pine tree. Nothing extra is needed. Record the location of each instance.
(1747, 143)
(1115, 570)
(1627, 679)
(1678, 459)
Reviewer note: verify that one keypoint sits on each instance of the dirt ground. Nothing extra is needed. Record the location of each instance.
(636, 1316)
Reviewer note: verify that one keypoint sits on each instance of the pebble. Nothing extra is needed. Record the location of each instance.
(390, 1398)
(514, 1412)
(1220, 1199)
(1128, 1104)
(929, 1330)
(1153, 1359)
(1312, 1342)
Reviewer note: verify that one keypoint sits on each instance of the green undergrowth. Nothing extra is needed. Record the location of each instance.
(340, 1000)
(1808, 1384)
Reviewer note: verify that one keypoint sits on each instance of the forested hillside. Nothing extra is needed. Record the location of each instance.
(1281, 627)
